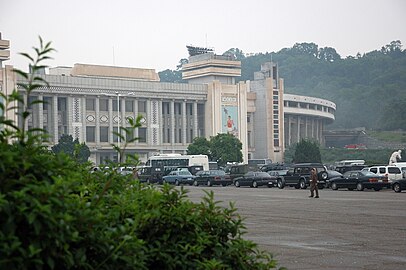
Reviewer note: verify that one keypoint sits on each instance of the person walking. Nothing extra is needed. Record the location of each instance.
(313, 184)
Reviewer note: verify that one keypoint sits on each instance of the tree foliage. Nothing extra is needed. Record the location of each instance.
(199, 146)
(221, 148)
(72, 148)
(307, 151)
(225, 148)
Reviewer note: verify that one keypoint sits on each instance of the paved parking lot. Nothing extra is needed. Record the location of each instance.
(341, 230)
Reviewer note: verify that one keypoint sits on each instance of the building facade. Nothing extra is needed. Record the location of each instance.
(92, 102)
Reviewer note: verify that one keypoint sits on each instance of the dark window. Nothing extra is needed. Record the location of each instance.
(115, 105)
(90, 134)
(104, 134)
(61, 104)
(129, 106)
(142, 106)
(393, 170)
(103, 105)
(90, 104)
(142, 135)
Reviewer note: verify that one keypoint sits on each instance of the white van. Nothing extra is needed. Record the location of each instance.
(392, 172)
(402, 167)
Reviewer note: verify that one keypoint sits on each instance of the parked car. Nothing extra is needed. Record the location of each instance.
(352, 167)
(299, 175)
(150, 175)
(391, 172)
(359, 180)
(331, 175)
(399, 185)
(255, 179)
(125, 170)
(402, 167)
(278, 176)
(179, 177)
(212, 177)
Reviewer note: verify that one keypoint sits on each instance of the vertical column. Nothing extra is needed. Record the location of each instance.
(123, 122)
(135, 110)
(54, 116)
(184, 122)
(306, 120)
(149, 122)
(41, 112)
(289, 140)
(25, 98)
(111, 124)
(172, 111)
(312, 127)
(298, 128)
(195, 121)
(83, 120)
(160, 121)
(97, 115)
(69, 108)
(321, 132)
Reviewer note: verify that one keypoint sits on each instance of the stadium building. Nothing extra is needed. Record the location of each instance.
(89, 102)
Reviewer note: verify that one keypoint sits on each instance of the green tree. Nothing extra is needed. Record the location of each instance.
(235, 53)
(168, 75)
(73, 148)
(199, 146)
(307, 151)
(225, 148)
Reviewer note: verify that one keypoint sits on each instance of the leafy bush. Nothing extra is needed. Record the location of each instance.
(56, 214)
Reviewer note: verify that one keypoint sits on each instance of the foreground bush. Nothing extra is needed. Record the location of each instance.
(55, 214)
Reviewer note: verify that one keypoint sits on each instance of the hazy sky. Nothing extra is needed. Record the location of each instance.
(154, 34)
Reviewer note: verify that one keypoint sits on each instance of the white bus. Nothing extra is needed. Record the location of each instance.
(169, 162)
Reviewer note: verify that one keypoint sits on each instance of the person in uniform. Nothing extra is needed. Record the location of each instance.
(313, 184)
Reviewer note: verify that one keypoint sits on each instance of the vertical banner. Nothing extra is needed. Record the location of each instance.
(230, 120)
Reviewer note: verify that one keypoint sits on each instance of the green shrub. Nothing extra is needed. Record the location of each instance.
(56, 214)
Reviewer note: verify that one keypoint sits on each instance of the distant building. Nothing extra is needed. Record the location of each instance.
(89, 102)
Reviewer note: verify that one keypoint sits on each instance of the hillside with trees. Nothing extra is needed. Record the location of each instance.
(369, 90)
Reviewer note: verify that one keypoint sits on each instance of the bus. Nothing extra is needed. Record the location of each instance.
(170, 162)
(259, 162)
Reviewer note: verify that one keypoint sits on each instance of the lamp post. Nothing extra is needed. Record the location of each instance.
(118, 119)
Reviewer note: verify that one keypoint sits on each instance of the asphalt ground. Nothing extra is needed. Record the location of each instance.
(340, 230)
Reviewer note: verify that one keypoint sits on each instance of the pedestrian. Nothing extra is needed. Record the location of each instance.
(313, 184)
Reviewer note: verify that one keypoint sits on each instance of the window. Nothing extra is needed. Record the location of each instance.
(46, 105)
(104, 134)
(104, 104)
(129, 106)
(142, 106)
(115, 105)
(61, 104)
(115, 137)
(90, 104)
(90, 134)
(142, 135)
(130, 135)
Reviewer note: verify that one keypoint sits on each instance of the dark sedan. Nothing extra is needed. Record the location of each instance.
(212, 177)
(399, 185)
(255, 179)
(179, 177)
(359, 180)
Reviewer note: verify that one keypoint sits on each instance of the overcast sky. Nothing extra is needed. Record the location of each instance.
(154, 34)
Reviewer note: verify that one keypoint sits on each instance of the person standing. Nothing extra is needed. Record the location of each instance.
(313, 183)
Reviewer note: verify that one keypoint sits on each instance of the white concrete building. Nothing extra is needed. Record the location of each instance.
(90, 101)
